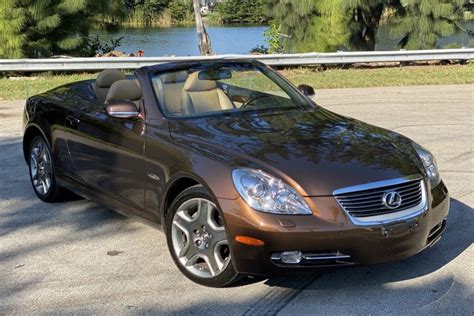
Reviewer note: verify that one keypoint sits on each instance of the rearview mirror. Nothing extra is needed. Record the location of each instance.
(307, 90)
(122, 109)
(214, 74)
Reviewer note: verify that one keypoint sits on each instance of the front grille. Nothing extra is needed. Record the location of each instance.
(370, 202)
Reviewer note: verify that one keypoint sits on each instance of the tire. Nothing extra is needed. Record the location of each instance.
(41, 170)
(197, 239)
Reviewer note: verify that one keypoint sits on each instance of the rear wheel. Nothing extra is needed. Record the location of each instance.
(197, 239)
(41, 171)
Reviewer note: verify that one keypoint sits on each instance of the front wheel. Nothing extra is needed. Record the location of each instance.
(197, 239)
(41, 171)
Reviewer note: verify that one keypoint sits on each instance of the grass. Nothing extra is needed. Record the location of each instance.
(382, 77)
(19, 88)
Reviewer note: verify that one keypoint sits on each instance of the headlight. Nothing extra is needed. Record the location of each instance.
(268, 194)
(429, 162)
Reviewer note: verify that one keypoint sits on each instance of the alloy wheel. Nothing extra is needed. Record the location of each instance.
(41, 167)
(199, 238)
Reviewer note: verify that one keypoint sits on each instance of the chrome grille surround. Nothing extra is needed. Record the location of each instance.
(364, 203)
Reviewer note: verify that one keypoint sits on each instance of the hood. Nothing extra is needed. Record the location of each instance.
(319, 150)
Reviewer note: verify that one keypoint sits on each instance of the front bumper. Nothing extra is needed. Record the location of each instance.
(328, 232)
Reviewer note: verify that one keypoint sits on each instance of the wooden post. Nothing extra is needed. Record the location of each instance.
(203, 38)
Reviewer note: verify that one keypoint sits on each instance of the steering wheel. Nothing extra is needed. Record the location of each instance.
(249, 101)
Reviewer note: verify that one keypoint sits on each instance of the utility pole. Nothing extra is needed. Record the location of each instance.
(203, 38)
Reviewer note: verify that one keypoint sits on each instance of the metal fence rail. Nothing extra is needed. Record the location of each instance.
(95, 63)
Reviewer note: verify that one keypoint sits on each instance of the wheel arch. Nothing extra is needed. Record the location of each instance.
(178, 184)
(30, 133)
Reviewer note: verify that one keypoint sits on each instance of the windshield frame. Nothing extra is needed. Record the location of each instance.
(304, 103)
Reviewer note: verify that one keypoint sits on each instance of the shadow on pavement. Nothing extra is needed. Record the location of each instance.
(22, 212)
(407, 286)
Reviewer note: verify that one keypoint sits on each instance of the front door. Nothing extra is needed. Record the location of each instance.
(107, 153)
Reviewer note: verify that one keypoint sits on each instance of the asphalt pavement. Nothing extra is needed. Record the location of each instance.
(80, 257)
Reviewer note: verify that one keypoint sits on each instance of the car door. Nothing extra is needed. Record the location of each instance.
(107, 153)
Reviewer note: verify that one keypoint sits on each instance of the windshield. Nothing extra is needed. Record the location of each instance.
(219, 88)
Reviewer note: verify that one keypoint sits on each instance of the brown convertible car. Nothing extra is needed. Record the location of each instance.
(244, 173)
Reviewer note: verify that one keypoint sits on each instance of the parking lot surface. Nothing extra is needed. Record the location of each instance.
(81, 257)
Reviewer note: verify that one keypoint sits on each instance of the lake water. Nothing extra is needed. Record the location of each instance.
(182, 41)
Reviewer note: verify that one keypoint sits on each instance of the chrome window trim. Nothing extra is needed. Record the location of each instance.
(400, 216)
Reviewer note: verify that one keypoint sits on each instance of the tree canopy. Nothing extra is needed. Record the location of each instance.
(327, 25)
(241, 11)
(41, 28)
(309, 25)
(420, 23)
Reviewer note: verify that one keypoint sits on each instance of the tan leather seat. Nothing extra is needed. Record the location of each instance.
(103, 82)
(201, 96)
(125, 90)
(169, 88)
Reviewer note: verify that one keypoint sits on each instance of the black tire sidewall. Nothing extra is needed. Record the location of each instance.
(229, 275)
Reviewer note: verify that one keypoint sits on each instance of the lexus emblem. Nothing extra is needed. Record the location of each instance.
(392, 200)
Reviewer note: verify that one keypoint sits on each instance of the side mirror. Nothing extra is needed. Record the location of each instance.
(122, 109)
(307, 90)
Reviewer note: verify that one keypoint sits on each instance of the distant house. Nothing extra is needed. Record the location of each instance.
(470, 6)
(204, 9)
(210, 4)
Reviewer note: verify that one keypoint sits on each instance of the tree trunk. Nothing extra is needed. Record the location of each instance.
(203, 38)
(368, 19)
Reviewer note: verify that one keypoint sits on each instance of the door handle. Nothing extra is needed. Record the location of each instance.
(72, 121)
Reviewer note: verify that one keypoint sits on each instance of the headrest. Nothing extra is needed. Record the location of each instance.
(124, 90)
(194, 84)
(174, 77)
(107, 77)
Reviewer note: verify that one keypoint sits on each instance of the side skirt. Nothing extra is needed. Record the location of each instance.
(102, 199)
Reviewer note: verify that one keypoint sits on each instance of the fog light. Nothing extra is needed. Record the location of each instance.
(291, 256)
